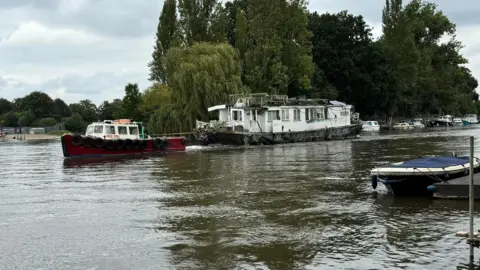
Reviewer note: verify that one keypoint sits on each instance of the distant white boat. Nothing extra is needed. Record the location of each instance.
(370, 126)
(417, 123)
(457, 122)
(402, 126)
(470, 119)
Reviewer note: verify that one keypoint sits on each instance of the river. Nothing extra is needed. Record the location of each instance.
(298, 206)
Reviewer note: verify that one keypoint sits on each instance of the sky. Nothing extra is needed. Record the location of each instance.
(78, 49)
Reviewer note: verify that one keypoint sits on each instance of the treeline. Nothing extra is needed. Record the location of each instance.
(38, 109)
(206, 50)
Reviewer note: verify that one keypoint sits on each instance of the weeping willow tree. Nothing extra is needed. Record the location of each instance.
(201, 76)
(165, 116)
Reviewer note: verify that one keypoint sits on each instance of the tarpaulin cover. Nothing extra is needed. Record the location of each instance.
(431, 162)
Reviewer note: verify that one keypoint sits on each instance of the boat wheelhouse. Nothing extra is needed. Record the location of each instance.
(442, 121)
(270, 119)
(117, 137)
(116, 129)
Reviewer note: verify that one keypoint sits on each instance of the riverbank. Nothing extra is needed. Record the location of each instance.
(30, 137)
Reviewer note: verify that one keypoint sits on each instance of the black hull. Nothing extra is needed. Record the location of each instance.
(415, 185)
(435, 123)
(263, 138)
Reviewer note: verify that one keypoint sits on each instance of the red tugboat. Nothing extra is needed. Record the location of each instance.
(117, 138)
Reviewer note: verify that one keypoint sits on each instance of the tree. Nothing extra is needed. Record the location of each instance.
(61, 108)
(201, 76)
(111, 110)
(201, 21)
(132, 101)
(86, 109)
(6, 106)
(166, 116)
(38, 102)
(349, 64)
(75, 123)
(166, 31)
(232, 8)
(278, 59)
(26, 118)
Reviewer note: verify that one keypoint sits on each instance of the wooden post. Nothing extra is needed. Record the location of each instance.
(471, 197)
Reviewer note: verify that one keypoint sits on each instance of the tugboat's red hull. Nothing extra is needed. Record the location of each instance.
(76, 146)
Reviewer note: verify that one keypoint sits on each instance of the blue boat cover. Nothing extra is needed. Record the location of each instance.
(431, 162)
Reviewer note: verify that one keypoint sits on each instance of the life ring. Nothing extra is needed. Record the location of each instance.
(119, 144)
(77, 140)
(88, 142)
(109, 145)
(136, 144)
(128, 143)
(143, 144)
(99, 142)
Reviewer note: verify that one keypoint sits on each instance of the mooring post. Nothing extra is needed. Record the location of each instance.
(471, 197)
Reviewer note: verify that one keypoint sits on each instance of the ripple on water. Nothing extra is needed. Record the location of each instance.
(303, 206)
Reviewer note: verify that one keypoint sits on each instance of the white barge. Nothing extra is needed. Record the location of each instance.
(271, 119)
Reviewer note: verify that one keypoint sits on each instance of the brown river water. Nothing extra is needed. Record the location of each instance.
(298, 206)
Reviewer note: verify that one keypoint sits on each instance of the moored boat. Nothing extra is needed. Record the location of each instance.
(457, 122)
(117, 138)
(412, 177)
(470, 119)
(272, 119)
(417, 123)
(402, 125)
(442, 121)
(370, 126)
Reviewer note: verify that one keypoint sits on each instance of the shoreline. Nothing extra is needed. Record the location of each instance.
(29, 137)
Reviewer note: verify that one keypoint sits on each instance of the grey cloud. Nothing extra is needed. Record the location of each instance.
(3, 82)
(119, 18)
(42, 4)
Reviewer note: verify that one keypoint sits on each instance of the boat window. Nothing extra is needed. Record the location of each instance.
(319, 114)
(344, 113)
(99, 129)
(133, 130)
(273, 115)
(296, 115)
(122, 130)
(285, 114)
(237, 115)
(109, 129)
(89, 130)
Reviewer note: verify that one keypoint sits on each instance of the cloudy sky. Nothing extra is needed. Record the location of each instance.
(77, 49)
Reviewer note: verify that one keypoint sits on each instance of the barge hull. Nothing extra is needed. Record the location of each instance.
(265, 138)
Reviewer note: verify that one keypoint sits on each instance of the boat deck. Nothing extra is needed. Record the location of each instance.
(457, 188)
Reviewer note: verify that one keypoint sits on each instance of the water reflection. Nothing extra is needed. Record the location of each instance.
(302, 206)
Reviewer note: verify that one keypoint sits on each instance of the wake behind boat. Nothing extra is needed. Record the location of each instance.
(272, 119)
(411, 178)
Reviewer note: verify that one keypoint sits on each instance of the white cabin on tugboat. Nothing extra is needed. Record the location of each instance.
(270, 115)
(116, 129)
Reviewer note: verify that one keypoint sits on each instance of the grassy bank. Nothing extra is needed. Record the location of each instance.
(58, 132)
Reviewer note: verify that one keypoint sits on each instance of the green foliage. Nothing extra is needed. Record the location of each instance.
(86, 109)
(61, 109)
(166, 33)
(278, 59)
(58, 132)
(75, 123)
(26, 118)
(201, 76)
(38, 102)
(111, 110)
(6, 106)
(131, 102)
(201, 21)
(45, 122)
